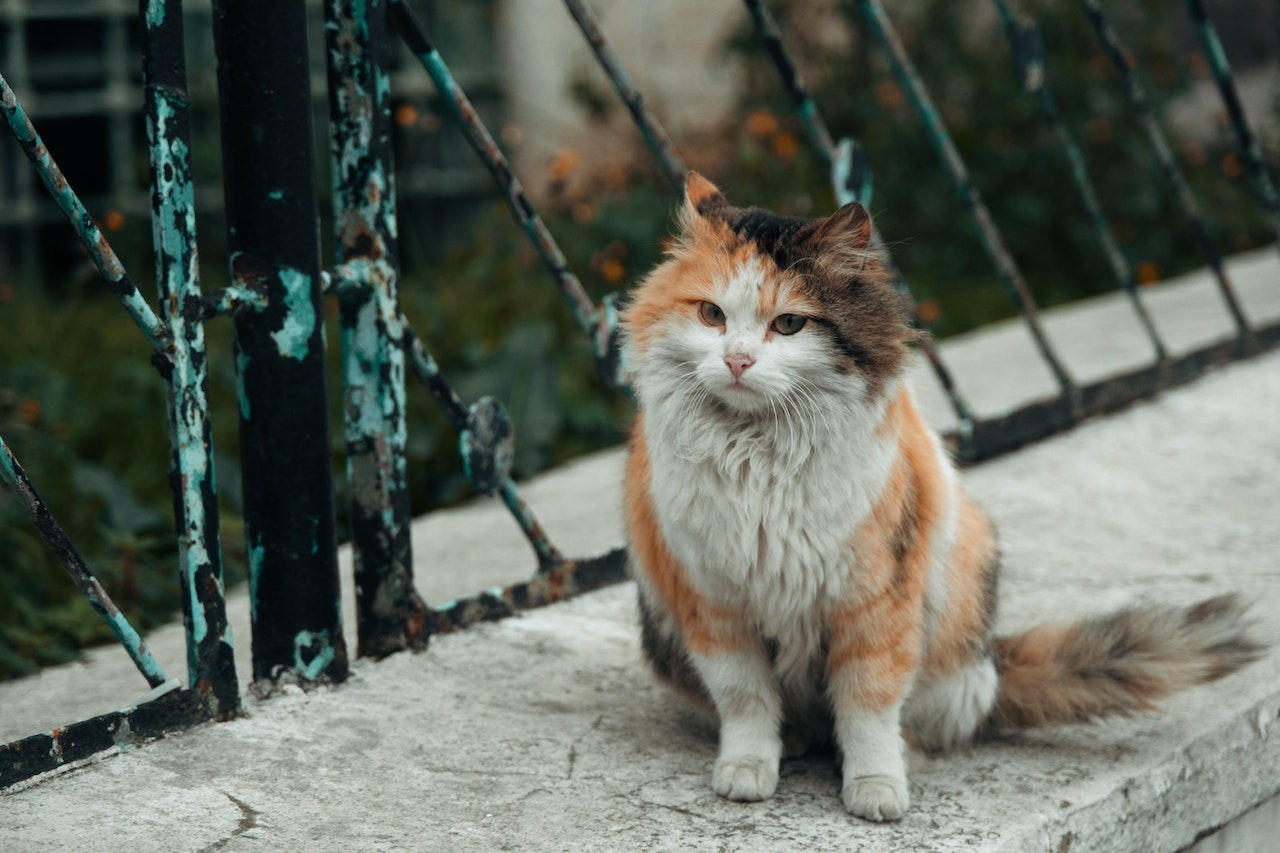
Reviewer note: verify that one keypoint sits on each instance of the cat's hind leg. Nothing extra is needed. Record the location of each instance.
(944, 712)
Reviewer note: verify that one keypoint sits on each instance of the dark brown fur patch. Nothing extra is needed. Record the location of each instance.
(669, 658)
(864, 318)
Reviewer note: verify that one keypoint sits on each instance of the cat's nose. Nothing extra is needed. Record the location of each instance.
(738, 363)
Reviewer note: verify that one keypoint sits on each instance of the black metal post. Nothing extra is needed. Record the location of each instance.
(264, 87)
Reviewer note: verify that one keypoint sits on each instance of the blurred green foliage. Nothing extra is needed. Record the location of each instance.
(84, 411)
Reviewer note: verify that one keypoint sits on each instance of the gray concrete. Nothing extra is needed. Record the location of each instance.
(545, 732)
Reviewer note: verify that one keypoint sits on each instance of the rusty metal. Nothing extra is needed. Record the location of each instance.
(673, 168)
(1250, 153)
(12, 473)
(994, 436)
(483, 144)
(1027, 43)
(211, 668)
(1007, 269)
(1115, 52)
(563, 581)
(390, 615)
(91, 236)
(460, 418)
(269, 169)
(851, 180)
(148, 720)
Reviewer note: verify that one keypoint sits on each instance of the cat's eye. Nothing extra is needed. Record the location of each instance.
(788, 324)
(710, 313)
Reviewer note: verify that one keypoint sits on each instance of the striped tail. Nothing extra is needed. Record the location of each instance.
(1119, 663)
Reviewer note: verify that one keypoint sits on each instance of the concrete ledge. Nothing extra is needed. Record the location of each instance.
(545, 732)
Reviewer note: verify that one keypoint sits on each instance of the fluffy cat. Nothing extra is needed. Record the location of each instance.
(808, 564)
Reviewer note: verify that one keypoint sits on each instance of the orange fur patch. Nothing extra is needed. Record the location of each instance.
(880, 634)
(706, 628)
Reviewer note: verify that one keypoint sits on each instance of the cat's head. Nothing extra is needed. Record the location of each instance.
(756, 311)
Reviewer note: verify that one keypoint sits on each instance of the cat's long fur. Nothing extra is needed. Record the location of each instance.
(807, 561)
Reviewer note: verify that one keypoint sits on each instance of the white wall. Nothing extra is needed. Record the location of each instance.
(673, 50)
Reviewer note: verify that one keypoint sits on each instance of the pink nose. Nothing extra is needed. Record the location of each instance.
(738, 363)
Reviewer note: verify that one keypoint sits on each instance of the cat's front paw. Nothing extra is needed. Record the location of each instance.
(877, 798)
(746, 779)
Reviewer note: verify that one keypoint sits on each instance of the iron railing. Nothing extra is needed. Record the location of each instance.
(275, 301)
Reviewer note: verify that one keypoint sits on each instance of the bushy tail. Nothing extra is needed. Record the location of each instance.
(1119, 663)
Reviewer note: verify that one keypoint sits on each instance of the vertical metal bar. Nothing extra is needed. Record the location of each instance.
(673, 168)
(90, 235)
(849, 187)
(1248, 146)
(1027, 44)
(480, 140)
(1168, 165)
(12, 473)
(211, 668)
(264, 86)
(390, 616)
(1006, 267)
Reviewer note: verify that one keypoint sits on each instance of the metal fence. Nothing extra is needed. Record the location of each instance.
(275, 300)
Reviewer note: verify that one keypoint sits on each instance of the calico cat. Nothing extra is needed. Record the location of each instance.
(808, 564)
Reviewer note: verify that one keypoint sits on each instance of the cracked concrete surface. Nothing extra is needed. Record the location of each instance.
(545, 731)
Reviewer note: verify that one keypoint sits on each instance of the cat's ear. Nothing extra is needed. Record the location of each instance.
(701, 196)
(843, 239)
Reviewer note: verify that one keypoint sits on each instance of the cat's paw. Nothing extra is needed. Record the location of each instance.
(877, 798)
(746, 779)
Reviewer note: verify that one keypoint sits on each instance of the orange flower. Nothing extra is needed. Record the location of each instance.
(613, 271)
(1147, 273)
(29, 410)
(888, 94)
(114, 220)
(929, 311)
(785, 145)
(563, 163)
(406, 114)
(761, 124)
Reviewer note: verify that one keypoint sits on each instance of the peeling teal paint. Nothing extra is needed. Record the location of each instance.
(155, 12)
(256, 556)
(293, 339)
(316, 666)
(242, 365)
(91, 236)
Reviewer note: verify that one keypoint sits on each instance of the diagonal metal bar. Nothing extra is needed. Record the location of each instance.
(1245, 141)
(673, 168)
(482, 142)
(814, 126)
(11, 473)
(851, 179)
(211, 668)
(1115, 52)
(1027, 43)
(428, 372)
(91, 236)
(1010, 276)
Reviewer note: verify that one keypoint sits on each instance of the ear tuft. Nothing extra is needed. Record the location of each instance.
(843, 239)
(701, 195)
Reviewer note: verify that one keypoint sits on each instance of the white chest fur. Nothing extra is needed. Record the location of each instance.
(763, 519)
